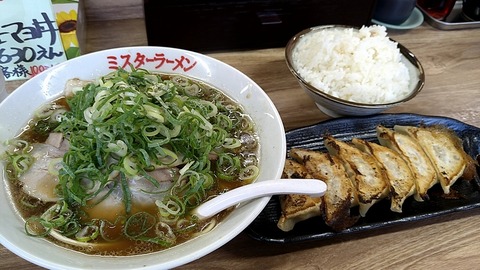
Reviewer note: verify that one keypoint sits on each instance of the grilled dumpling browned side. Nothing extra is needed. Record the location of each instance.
(401, 179)
(445, 151)
(421, 166)
(340, 194)
(297, 207)
(368, 176)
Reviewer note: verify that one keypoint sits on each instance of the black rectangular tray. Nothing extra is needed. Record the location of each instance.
(264, 227)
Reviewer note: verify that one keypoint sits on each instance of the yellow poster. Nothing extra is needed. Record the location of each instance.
(66, 16)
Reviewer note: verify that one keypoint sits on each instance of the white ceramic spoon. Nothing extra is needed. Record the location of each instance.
(311, 187)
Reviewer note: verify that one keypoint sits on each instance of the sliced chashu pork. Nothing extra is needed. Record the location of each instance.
(420, 164)
(109, 203)
(340, 195)
(297, 207)
(399, 174)
(367, 175)
(445, 151)
(40, 180)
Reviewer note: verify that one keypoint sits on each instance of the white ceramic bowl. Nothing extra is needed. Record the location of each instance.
(337, 107)
(17, 108)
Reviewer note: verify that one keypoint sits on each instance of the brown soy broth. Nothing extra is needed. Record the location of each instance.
(227, 185)
(29, 133)
(26, 205)
(122, 246)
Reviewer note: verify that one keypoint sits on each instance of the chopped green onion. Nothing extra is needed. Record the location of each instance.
(124, 125)
(232, 143)
(87, 233)
(248, 173)
(139, 224)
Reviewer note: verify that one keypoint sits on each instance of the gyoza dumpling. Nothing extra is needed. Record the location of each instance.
(421, 166)
(445, 151)
(368, 176)
(402, 181)
(340, 195)
(297, 207)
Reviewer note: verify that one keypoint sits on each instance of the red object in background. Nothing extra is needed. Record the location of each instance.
(438, 9)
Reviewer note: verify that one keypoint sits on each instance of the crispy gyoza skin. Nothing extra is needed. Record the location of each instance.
(368, 176)
(340, 195)
(445, 151)
(297, 207)
(402, 181)
(421, 166)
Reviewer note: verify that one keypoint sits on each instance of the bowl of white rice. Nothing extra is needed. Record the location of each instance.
(351, 71)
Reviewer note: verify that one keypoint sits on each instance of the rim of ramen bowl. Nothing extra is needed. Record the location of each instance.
(18, 108)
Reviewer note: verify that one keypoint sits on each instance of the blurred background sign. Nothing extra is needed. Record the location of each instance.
(30, 39)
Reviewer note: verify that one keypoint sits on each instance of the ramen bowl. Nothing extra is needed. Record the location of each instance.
(332, 71)
(19, 107)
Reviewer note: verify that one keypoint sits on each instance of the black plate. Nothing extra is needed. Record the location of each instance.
(264, 227)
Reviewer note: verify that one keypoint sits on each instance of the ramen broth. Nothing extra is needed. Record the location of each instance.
(121, 224)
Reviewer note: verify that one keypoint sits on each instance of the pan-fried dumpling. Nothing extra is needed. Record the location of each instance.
(340, 194)
(402, 181)
(368, 176)
(297, 207)
(421, 166)
(445, 151)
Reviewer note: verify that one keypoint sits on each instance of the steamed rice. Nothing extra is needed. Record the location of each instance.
(359, 65)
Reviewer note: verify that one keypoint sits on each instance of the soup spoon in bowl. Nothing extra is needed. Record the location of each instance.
(311, 187)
